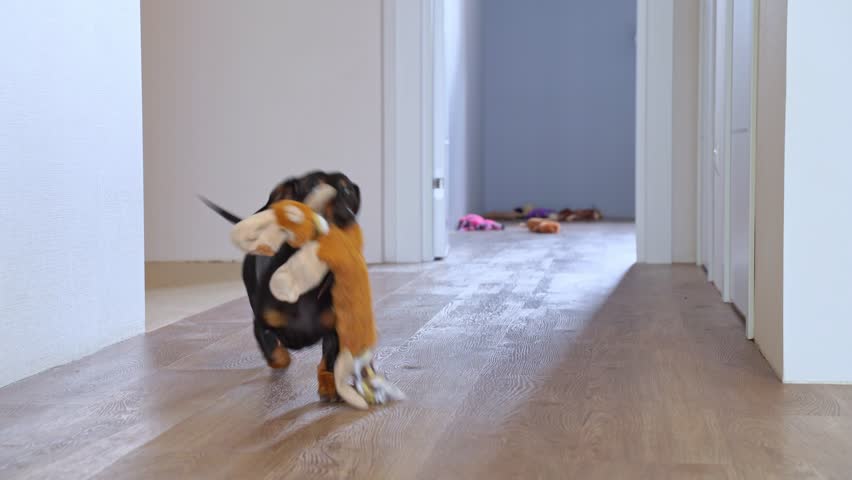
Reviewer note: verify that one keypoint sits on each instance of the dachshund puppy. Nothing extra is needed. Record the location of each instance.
(281, 326)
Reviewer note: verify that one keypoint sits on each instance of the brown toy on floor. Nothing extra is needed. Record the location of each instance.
(541, 225)
(583, 215)
(499, 216)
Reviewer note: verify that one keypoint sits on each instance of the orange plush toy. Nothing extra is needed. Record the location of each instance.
(540, 225)
(341, 250)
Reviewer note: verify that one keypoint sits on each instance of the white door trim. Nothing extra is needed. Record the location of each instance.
(706, 85)
(654, 70)
(750, 319)
(407, 92)
(727, 270)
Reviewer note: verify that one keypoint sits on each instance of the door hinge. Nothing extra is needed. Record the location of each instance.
(437, 183)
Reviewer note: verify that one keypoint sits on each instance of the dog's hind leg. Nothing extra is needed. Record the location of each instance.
(325, 373)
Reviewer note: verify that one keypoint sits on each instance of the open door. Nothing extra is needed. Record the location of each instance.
(440, 205)
(740, 151)
(721, 150)
(707, 134)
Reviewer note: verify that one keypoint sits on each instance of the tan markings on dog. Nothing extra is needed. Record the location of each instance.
(264, 250)
(279, 358)
(325, 379)
(274, 318)
(328, 319)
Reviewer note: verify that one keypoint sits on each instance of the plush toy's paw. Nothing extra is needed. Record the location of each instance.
(259, 234)
(320, 196)
(302, 272)
(367, 388)
(344, 369)
(283, 285)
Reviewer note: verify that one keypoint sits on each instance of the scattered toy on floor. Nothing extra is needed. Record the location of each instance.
(498, 216)
(472, 221)
(542, 213)
(541, 225)
(524, 210)
(583, 215)
(529, 211)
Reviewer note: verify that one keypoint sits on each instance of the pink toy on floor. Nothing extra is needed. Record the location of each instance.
(472, 222)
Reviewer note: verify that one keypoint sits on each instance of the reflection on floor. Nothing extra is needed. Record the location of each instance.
(524, 356)
(176, 290)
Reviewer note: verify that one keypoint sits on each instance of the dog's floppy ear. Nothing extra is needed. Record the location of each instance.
(285, 190)
(346, 204)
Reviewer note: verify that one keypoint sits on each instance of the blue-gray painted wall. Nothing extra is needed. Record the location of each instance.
(558, 106)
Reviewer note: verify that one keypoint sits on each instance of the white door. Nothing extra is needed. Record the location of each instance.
(440, 234)
(718, 271)
(708, 94)
(740, 163)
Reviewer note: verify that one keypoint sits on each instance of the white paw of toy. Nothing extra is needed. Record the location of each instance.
(359, 385)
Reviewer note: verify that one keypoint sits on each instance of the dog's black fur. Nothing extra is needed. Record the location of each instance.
(303, 319)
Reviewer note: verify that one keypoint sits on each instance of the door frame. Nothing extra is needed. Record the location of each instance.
(752, 227)
(706, 85)
(407, 129)
(440, 139)
(654, 182)
(408, 38)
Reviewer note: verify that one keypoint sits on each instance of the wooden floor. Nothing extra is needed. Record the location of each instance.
(524, 356)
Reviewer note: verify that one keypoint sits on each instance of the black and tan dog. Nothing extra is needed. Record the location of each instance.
(281, 326)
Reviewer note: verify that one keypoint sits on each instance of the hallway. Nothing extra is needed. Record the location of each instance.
(523, 356)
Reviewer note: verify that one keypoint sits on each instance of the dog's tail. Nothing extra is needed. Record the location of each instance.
(221, 211)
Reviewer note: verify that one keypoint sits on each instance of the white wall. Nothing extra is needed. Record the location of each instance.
(71, 255)
(817, 193)
(463, 33)
(240, 95)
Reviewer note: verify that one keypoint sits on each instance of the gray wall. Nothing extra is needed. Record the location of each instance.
(559, 104)
(463, 36)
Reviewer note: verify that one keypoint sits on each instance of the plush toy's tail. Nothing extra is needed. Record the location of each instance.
(221, 211)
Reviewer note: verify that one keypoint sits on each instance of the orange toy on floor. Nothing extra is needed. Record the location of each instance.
(541, 225)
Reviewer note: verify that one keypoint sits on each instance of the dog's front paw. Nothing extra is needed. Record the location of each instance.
(279, 358)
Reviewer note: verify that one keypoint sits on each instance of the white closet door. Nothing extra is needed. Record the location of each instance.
(740, 181)
(721, 149)
(708, 66)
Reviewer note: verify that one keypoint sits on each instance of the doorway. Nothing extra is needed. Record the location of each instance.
(533, 105)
